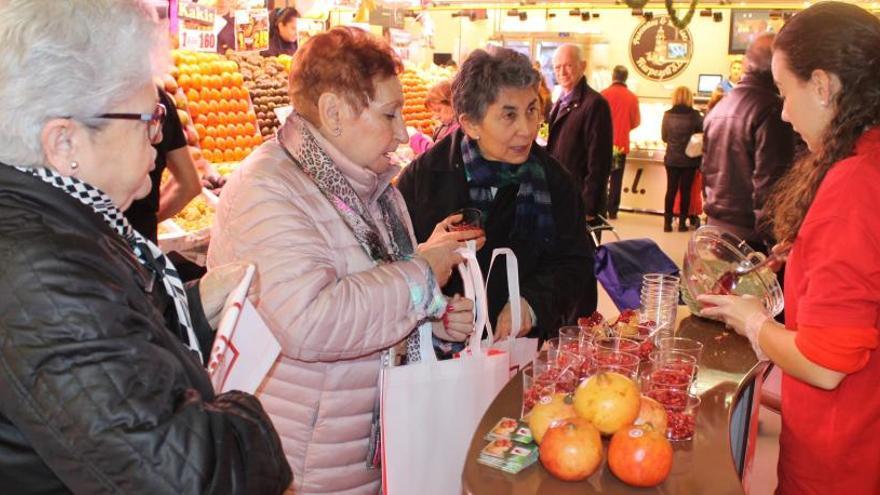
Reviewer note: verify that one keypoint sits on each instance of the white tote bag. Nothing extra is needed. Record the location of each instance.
(521, 350)
(431, 409)
(244, 348)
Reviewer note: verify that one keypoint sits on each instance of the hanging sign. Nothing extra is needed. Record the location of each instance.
(660, 51)
(196, 28)
(251, 30)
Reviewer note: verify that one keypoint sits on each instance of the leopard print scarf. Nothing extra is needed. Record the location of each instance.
(318, 165)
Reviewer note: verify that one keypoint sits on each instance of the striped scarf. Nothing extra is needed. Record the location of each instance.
(148, 254)
(534, 212)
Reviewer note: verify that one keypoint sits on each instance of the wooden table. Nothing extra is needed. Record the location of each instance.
(703, 465)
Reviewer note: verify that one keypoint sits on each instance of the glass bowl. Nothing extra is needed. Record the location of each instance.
(712, 252)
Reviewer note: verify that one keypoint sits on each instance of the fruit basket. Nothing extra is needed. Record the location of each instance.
(711, 253)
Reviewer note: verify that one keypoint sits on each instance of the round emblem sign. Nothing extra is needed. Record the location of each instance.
(659, 50)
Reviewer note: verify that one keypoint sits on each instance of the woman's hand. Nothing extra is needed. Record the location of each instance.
(780, 255)
(215, 286)
(735, 311)
(458, 322)
(441, 233)
(441, 256)
(503, 326)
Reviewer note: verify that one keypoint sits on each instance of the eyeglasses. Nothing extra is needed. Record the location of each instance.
(154, 121)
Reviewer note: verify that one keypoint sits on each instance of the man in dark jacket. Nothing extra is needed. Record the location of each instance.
(581, 134)
(746, 149)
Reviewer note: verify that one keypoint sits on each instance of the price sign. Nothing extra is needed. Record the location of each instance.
(198, 40)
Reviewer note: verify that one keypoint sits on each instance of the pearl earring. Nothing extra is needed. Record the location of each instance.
(74, 165)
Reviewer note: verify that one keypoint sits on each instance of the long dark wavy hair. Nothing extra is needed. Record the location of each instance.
(844, 40)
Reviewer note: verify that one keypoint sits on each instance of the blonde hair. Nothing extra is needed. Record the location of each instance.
(682, 96)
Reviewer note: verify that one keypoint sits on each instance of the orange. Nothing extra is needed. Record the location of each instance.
(203, 107)
(211, 131)
(226, 79)
(193, 95)
(252, 118)
(237, 79)
(205, 94)
(256, 140)
(249, 129)
(208, 155)
(213, 106)
(240, 131)
(215, 94)
(225, 93)
(198, 81)
(224, 105)
(212, 119)
(202, 119)
(201, 130)
(208, 143)
(241, 141)
(239, 153)
(222, 131)
(229, 156)
(184, 81)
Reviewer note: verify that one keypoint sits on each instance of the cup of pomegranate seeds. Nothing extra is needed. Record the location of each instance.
(681, 411)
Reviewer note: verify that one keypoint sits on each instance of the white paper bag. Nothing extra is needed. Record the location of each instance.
(244, 348)
(431, 409)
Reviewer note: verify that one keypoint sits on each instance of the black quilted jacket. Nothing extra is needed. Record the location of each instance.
(97, 394)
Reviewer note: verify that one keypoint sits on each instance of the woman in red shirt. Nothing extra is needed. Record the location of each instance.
(826, 62)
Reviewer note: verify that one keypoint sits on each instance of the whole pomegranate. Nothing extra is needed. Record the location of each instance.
(571, 449)
(653, 413)
(609, 400)
(640, 456)
(548, 411)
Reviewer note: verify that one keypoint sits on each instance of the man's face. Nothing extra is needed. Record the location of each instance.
(736, 70)
(568, 67)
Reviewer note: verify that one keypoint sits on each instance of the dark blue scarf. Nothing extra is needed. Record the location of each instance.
(534, 213)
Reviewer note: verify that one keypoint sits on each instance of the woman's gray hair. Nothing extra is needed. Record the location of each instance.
(70, 59)
(484, 74)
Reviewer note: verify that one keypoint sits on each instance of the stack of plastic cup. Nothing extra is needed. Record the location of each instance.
(659, 302)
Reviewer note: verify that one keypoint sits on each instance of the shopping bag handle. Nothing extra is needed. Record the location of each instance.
(472, 278)
(476, 292)
(512, 266)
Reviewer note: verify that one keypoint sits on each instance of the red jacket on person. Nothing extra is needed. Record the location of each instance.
(625, 115)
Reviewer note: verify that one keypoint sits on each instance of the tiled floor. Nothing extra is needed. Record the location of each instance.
(674, 244)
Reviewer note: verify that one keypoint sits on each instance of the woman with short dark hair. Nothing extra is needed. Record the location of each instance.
(528, 202)
(826, 62)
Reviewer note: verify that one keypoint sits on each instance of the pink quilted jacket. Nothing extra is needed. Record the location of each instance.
(331, 307)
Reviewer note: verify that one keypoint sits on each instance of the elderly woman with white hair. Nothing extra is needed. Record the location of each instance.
(97, 392)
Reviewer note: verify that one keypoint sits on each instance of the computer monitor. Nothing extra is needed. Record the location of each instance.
(707, 83)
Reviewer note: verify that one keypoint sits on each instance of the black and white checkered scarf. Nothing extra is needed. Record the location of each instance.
(147, 253)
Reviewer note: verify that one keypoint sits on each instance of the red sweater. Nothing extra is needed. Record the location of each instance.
(625, 114)
(829, 442)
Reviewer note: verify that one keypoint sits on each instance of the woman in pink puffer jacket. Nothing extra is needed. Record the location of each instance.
(341, 281)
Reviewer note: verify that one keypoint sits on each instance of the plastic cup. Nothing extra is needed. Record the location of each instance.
(664, 358)
(682, 344)
(535, 388)
(681, 411)
(472, 219)
(624, 363)
(653, 376)
(569, 339)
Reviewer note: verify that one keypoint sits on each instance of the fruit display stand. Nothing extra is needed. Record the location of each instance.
(266, 80)
(703, 465)
(218, 105)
